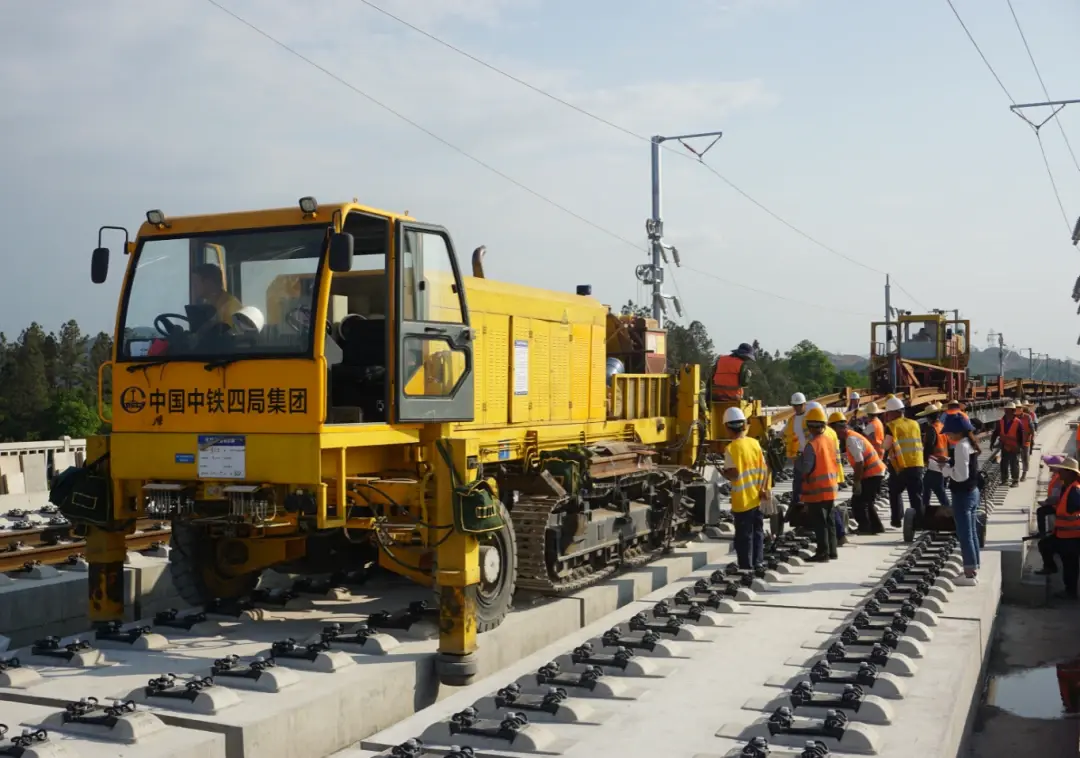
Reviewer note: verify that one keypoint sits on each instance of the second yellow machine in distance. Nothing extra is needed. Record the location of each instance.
(316, 388)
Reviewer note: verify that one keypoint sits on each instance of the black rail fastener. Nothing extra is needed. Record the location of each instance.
(873, 608)
(114, 631)
(510, 696)
(864, 622)
(640, 623)
(888, 638)
(21, 744)
(6, 664)
(279, 598)
(549, 673)
(758, 747)
(584, 654)
(49, 647)
(414, 748)
(469, 722)
(166, 686)
(838, 653)
(914, 597)
(171, 619)
(693, 611)
(712, 599)
(90, 712)
(614, 638)
(803, 694)
(229, 666)
(782, 721)
(815, 749)
(228, 607)
(725, 578)
(290, 649)
(403, 620)
(909, 585)
(822, 672)
(335, 633)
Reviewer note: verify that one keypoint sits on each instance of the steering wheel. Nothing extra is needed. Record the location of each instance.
(166, 327)
(299, 318)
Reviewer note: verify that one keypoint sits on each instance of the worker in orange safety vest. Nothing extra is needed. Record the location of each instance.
(1026, 413)
(1008, 435)
(820, 469)
(1065, 542)
(731, 375)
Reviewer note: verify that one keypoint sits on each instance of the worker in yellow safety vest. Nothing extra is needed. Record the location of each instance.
(904, 448)
(795, 441)
(745, 468)
(869, 473)
(820, 484)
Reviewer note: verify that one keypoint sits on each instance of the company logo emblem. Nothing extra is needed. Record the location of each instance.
(133, 400)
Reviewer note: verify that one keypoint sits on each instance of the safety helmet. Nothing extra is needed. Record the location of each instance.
(734, 415)
(894, 404)
(815, 415)
(871, 409)
(836, 417)
(854, 395)
(798, 399)
(813, 404)
(249, 319)
(1010, 406)
(929, 410)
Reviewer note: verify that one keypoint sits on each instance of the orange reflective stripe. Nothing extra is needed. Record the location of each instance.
(1066, 525)
(877, 435)
(725, 381)
(822, 484)
(872, 463)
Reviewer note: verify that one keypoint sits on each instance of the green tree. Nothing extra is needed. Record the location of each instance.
(26, 386)
(100, 351)
(811, 369)
(770, 380)
(70, 416)
(71, 358)
(853, 379)
(690, 344)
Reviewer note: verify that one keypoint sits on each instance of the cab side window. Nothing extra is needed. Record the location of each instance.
(432, 293)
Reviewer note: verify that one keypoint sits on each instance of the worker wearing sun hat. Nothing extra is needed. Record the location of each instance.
(936, 450)
(1065, 541)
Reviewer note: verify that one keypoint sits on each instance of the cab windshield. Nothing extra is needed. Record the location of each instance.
(224, 295)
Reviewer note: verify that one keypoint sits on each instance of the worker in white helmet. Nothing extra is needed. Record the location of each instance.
(745, 468)
(904, 447)
(795, 441)
(853, 402)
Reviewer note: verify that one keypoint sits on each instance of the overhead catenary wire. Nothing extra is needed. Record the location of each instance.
(378, 103)
(626, 131)
(1042, 83)
(1012, 100)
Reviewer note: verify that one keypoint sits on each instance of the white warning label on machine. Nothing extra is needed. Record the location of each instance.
(222, 457)
(521, 367)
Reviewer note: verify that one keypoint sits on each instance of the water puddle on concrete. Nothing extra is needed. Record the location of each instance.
(1046, 692)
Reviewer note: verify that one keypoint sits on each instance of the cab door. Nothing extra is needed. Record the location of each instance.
(434, 361)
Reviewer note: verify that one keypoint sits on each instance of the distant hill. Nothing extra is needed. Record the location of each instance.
(844, 362)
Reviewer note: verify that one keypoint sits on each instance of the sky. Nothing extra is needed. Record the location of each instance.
(872, 127)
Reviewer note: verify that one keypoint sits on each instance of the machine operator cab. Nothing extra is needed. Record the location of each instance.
(394, 300)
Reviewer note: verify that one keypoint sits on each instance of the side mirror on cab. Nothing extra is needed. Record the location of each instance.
(341, 252)
(99, 265)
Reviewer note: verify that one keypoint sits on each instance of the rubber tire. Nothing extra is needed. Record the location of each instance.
(456, 670)
(490, 612)
(909, 525)
(191, 565)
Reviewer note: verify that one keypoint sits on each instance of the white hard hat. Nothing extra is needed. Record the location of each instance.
(798, 398)
(854, 395)
(813, 404)
(894, 404)
(734, 415)
(249, 319)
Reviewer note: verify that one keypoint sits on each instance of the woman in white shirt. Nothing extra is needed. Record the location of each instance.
(962, 473)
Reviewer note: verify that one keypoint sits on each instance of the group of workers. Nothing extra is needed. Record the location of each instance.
(933, 455)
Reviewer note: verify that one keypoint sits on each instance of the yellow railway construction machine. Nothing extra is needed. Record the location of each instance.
(317, 388)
